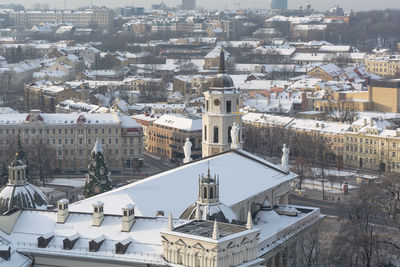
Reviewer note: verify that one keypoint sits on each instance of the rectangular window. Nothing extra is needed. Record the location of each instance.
(216, 134)
(228, 106)
(207, 105)
(205, 132)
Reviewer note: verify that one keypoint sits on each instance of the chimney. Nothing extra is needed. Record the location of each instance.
(170, 226)
(215, 233)
(365, 122)
(98, 213)
(322, 126)
(128, 217)
(62, 212)
(317, 125)
(371, 122)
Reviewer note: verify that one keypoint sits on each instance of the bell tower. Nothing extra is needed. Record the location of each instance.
(208, 189)
(221, 111)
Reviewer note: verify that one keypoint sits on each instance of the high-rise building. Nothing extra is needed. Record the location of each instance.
(188, 4)
(279, 4)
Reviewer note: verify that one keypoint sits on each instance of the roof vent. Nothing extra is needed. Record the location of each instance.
(44, 240)
(121, 247)
(69, 242)
(95, 244)
(5, 252)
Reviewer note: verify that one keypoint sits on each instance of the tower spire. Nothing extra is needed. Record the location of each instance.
(215, 234)
(249, 224)
(222, 61)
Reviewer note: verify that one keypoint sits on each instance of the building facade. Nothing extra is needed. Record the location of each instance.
(101, 17)
(167, 136)
(279, 4)
(369, 143)
(384, 65)
(188, 4)
(47, 96)
(69, 138)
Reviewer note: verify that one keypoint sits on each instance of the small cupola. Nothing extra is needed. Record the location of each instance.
(208, 188)
(17, 172)
(128, 217)
(98, 213)
(62, 212)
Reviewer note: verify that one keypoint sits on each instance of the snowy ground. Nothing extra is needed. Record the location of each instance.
(342, 173)
(73, 182)
(329, 187)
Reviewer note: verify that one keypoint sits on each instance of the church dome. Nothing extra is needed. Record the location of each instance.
(18, 193)
(219, 212)
(223, 80)
(21, 197)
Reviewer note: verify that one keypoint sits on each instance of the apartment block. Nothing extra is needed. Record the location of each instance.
(70, 138)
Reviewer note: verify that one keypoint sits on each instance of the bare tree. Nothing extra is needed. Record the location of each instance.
(342, 110)
(306, 248)
(302, 169)
(368, 236)
(40, 157)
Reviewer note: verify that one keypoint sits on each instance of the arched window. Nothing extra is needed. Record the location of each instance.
(216, 134)
(229, 134)
(211, 192)
(18, 174)
(205, 192)
(205, 132)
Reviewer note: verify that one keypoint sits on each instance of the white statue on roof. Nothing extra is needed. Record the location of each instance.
(187, 149)
(235, 136)
(285, 158)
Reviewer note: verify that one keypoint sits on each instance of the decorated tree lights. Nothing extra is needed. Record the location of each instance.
(98, 177)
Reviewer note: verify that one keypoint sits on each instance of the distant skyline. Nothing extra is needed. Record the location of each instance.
(221, 4)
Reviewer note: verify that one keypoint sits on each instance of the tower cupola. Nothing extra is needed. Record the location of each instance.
(208, 188)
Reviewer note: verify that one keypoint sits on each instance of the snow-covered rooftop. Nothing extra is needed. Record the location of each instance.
(232, 167)
(179, 122)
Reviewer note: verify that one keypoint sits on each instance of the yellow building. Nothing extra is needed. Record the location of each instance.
(382, 96)
(386, 65)
(385, 95)
(167, 135)
(369, 143)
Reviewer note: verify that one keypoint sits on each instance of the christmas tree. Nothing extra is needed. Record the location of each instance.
(98, 177)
